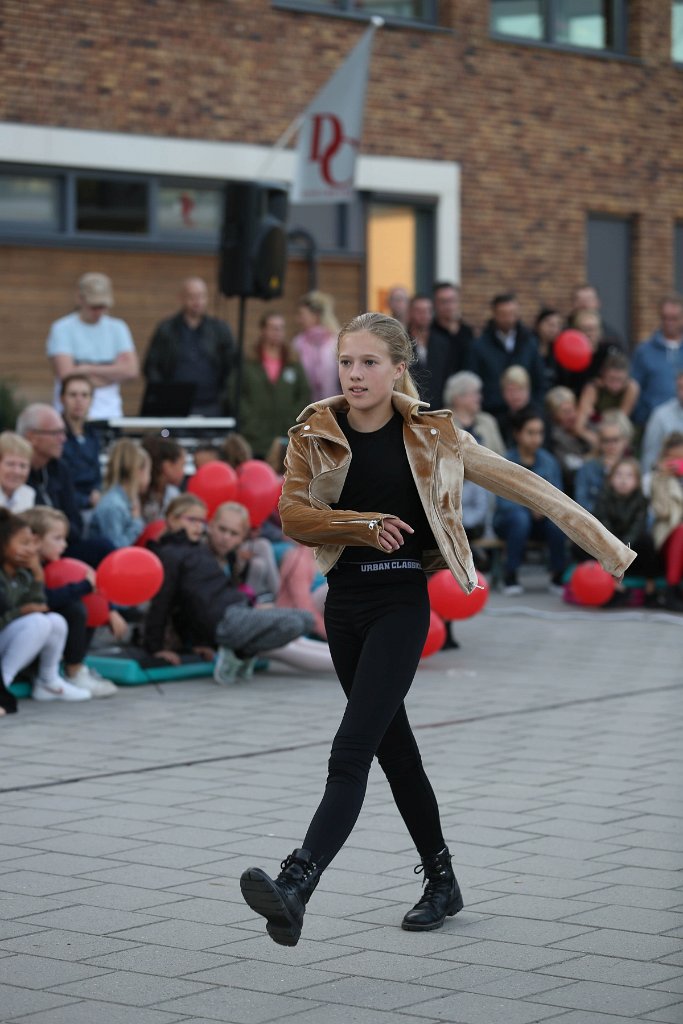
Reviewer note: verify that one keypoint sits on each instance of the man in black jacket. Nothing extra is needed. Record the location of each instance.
(505, 341)
(193, 348)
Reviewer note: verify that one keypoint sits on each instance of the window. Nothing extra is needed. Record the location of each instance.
(192, 212)
(30, 202)
(400, 249)
(587, 24)
(112, 206)
(677, 31)
(405, 10)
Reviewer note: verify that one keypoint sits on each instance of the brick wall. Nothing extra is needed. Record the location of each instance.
(38, 285)
(543, 137)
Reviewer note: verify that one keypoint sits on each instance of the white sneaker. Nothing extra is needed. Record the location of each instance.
(226, 669)
(513, 589)
(95, 685)
(58, 689)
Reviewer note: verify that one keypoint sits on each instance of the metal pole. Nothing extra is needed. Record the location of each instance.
(240, 359)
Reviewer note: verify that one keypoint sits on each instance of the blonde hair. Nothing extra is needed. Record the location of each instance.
(396, 338)
(321, 305)
(516, 375)
(183, 503)
(42, 517)
(558, 396)
(126, 457)
(15, 444)
(239, 510)
(619, 419)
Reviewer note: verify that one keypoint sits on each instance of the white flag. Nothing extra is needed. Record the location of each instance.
(330, 134)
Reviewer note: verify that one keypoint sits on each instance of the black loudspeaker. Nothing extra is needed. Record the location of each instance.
(253, 247)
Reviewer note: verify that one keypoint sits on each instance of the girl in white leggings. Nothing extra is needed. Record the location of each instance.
(28, 630)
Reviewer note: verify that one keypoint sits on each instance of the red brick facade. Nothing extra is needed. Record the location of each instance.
(543, 136)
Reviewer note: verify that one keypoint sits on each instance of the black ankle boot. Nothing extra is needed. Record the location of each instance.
(282, 901)
(441, 897)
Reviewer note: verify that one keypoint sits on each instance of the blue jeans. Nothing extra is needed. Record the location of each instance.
(516, 526)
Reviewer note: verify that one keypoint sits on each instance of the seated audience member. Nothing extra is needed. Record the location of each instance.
(586, 299)
(316, 344)
(167, 475)
(615, 433)
(203, 454)
(623, 508)
(82, 446)
(207, 611)
(612, 388)
(274, 386)
(15, 466)
(235, 450)
(547, 326)
(515, 388)
(249, 562)
(118, 516)
(50, 477)
(28, 629)
(505, 341)
(462, 396)
(517, 525)
(664, 420)
(192, 347)
(588, 323)
(667, 505)
(570, 446)
(658, 359)
(50, 527)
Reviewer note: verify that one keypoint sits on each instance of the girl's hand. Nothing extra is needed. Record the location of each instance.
(205, 653)
(33, 606)
(118, 625)
(170, 656)
(391, 537)
(90, 576)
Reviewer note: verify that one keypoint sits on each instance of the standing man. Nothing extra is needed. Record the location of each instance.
(505, 341)
(92, 342)
(193, 348)
(397, 302)
(586, 297)
(449, 326)
(433, 366)
(657, 360)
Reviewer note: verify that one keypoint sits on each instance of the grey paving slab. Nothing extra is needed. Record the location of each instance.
(92, 920)
(162, 960)
(669, 1014)
(40, 883)
(635, 896)
(384, 995)
(124, 897)
(263, 977)
(593, 995)
(130, 988)
(473, 1008)
(609, 969)
(15, 1000)
(628, 945)
(185, 934)
(35, 972)
(93, 1012)
(62, 945)
(629, 919)
(239, 1007)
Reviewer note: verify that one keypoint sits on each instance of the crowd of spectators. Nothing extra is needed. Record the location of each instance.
(610, 435)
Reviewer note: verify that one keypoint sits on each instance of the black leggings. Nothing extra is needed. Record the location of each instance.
(376, 631)
(79, 635)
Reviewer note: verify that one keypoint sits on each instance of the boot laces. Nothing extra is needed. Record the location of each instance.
(304, 868)
(435, 877)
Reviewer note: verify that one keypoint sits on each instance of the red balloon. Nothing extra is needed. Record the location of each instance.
(130, 576)
(214, 483)
(97, 608)
(573, 350)
(591, 584)
(152, 531)
(65, 570)
(258, 489)
(450, 602)
(436, 636)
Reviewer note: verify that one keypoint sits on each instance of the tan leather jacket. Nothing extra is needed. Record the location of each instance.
(440, 456)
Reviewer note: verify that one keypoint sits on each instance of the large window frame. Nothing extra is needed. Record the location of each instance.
(67, 234)
(616, 47)
(345, 9)
(677, 32)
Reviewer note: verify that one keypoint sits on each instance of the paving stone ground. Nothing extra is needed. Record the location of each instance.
(553, 739)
